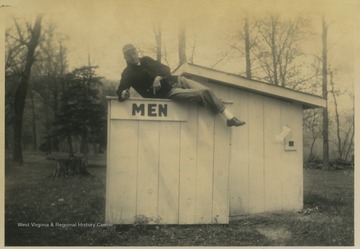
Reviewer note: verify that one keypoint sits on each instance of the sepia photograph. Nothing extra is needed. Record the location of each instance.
(186, 123)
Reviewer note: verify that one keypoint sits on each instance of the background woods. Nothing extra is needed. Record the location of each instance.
(60, 109)
(22, 57)
(55, 104)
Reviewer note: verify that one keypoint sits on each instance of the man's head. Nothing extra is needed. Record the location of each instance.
(131, 54)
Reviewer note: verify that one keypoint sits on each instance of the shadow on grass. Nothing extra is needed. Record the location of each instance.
(323, 203)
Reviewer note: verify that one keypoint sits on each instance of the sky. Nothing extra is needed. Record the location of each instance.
(99, 29)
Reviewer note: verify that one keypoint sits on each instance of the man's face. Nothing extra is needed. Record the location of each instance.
(131, 56)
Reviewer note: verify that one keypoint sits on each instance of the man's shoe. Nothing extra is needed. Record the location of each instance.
(234, 122)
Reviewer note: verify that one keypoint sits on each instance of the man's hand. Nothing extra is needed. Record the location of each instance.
(124, 95)
(156, 84)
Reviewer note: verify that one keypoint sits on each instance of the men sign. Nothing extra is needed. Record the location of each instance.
(149, 109)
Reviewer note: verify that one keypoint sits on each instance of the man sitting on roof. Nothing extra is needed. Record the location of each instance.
(151, 79)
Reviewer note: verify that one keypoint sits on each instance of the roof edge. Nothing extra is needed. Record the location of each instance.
(233, 80)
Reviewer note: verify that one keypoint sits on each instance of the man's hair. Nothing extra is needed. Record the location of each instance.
(128, 47)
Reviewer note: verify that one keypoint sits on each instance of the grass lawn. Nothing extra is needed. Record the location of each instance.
(326, 220)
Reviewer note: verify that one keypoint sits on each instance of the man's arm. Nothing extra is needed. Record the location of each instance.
(123, 89)
(157, 70)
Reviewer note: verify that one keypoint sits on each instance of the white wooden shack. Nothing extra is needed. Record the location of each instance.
(167, 163)
(266, 157)
(171, 163)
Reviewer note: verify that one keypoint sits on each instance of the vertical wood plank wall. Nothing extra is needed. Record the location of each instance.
(264, 177)
(168, 172)
(292, 161)
(187, 173)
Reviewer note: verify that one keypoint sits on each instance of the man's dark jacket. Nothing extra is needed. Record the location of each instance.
(141, 78)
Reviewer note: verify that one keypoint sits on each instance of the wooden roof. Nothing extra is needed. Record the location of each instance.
(242, 83)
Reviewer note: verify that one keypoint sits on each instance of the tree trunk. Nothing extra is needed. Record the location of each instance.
(58, 91)
(158, 39)
(71, 149)
(247, 49)
(311, 154)
(326, 165)
(273, 49)
(33, 122)
(350, 145)
(69, 167)
(340, 147)
(84, 144)
(191, 59)
(182, 45)
(55, 140)
(21, 91)
(352, 136)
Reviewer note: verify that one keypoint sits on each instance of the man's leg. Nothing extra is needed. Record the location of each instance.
(192, 91)
(207, 95)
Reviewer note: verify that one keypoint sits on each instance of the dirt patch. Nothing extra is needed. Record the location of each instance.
(278, 234)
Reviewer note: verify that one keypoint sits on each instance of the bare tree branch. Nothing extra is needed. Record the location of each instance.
(21, 38)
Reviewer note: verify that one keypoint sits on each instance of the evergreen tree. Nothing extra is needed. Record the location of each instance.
(81, 112)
